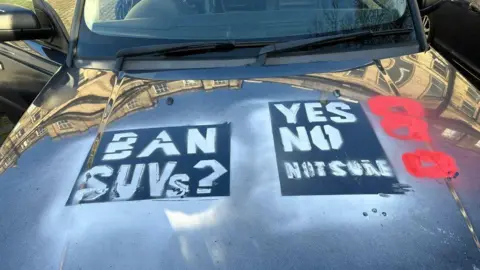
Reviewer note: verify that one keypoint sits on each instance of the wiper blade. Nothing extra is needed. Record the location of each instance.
(167, 48)
(189, 48)
(321, 41)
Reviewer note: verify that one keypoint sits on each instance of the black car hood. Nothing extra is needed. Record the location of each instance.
(115, 172)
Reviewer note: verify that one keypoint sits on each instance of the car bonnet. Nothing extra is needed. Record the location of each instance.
(285, 172)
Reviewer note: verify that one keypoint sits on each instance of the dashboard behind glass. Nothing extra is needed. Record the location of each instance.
(150, 22)
(154, 23)
(223, 6)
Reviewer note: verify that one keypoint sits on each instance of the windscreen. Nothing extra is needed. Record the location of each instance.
(238, 19)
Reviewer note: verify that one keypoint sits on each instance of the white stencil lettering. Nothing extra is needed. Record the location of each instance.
(336, 167)
(308, 170)
(205, 184)
(293, 170)
(121, 146)
(164, 142)
(343, 116)
(320, 165)
(290, 140)
(370, 170)
(384, 168)
(178, 185)
(157, 181)
(313, 114)
(289, 113)
(196, 140)
(90, 187)
(354, 168)
(124, 189)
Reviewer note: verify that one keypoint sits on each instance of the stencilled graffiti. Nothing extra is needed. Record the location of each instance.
(157, 163)
(328, 149)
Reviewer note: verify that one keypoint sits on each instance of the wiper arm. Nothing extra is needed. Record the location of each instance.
(321, 41)
(190, 48)
(167, 48)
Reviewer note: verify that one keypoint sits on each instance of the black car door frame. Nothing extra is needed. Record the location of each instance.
(27, 66)
(454, 24)
(23, 74)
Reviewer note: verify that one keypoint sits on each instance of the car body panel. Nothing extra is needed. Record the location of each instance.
(255, 225)
(455, 40)
(23, 74)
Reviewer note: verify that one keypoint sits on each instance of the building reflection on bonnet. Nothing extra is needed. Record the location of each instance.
(452, 104)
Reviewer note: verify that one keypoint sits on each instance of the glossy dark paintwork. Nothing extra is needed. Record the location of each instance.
(255, 227)
(445, 36)
(23, 74)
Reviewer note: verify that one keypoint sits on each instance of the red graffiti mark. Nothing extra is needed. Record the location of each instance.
(423, 163)
(387, 105)
(402, 113)
(416, 129)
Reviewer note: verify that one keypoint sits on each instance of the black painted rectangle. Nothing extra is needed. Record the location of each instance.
(318, 166)
(129, 165)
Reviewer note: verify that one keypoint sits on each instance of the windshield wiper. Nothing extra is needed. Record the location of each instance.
(183, 49)
(294, 45)
(192, 48)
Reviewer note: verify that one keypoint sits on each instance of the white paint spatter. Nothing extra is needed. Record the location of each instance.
(291, 141)
(339, 108)
(370, 170)
(289, 113)
(90, 187)
(195, 140)
(121, 146)
(336, 168)
(163, 142)
(313, 113)
(293, 170)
